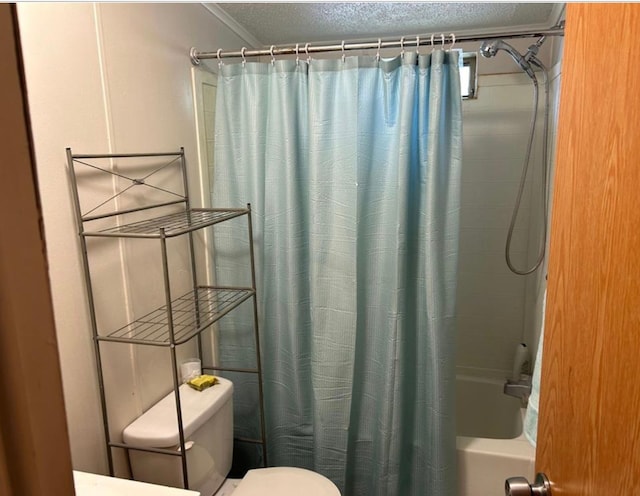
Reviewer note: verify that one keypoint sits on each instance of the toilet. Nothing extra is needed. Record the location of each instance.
(207, 419)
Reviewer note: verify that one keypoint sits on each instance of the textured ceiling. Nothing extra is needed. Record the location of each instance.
(281, 23)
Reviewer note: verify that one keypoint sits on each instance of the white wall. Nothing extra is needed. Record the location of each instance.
(108, 78)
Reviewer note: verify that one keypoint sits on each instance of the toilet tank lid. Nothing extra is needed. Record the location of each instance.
(285, 481)
(158, 426)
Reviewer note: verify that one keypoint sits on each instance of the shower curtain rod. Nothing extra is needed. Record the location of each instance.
(413, 41)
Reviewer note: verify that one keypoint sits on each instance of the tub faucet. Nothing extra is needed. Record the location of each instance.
(519, 389)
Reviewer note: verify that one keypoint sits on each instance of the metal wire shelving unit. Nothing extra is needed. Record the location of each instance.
(179, 319)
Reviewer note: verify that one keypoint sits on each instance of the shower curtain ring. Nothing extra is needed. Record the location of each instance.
(417, 45)
(297, 54)
(306, 49)
(432, 44)
(402, 47)
(453, 41)
(273, 58)
(218, 56)
(442, 37)
(378, 52)
(343, 55)
(244, 60)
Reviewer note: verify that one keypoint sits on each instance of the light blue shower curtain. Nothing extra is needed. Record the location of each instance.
(352, 170)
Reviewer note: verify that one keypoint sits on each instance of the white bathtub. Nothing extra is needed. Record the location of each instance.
(491, 446)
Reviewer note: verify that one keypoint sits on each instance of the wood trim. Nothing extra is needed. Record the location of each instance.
(589, 432)
(34, 448)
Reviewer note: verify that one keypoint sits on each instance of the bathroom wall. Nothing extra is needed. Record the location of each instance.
(109, 78)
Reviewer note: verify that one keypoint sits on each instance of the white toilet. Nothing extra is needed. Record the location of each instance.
(207, 419)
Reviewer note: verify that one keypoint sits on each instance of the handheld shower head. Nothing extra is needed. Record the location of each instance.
(489, 49)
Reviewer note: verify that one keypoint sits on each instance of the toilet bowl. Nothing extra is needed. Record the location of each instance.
(207, 419)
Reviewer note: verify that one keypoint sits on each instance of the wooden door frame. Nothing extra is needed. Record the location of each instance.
(35, 457)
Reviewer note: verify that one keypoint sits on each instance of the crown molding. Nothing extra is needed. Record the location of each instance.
(233, 25)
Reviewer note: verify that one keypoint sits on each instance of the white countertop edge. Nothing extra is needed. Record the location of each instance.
(100, 485)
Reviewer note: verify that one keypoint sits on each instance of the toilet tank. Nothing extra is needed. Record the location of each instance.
(207, 419)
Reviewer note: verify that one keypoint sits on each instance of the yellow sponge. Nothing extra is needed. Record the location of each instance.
(202, 382)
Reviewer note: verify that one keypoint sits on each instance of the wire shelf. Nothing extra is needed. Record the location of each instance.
(173, 224)
(192, 313)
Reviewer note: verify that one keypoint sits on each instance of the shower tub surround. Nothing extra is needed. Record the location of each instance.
(490, 444)
(492, 305)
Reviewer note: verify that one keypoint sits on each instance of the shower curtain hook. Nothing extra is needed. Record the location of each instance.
(402, 47)
(244, 60)
(306, 49)
(343, 54)
(297, 54)
(432, 44)
(273, 58)
(442, 37)
(218, 56)
(378, 52)
(453, 41)
(417, 45)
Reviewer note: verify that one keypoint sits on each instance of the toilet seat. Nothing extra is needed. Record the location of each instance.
(285, 481)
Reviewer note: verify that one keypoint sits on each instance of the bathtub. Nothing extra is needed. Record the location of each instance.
(490, 443)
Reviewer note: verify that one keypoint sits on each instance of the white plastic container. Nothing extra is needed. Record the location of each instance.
(207, 419)
(190, 368)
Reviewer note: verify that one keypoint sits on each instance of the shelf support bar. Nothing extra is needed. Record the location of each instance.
(257, 338)
(192, 252)
(174, 359)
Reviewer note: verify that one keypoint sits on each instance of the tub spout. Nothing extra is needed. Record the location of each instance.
(519, 389)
